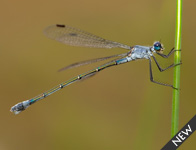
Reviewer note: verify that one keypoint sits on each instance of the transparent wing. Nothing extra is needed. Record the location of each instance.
(76, 37)
(86, 62)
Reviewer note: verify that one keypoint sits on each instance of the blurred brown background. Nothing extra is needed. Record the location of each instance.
(119, 108)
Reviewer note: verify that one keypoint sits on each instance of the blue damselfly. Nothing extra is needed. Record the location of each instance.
(76, 37)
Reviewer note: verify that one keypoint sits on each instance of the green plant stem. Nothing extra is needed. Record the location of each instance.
(177, 59)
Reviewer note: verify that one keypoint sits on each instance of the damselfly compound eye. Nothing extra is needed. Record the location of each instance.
(157, 46)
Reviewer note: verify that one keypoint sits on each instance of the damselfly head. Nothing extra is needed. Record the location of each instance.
(158, 46)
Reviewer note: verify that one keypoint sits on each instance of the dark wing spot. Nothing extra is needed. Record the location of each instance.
(73, 34)
(60, 25)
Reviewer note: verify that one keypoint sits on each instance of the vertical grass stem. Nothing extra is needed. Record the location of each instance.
(177, 59)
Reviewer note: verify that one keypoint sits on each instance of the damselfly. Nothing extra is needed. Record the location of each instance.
(76, 37)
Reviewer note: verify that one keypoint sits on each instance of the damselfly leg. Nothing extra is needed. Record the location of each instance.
(166, 56)
(152, 79)
(162, 69)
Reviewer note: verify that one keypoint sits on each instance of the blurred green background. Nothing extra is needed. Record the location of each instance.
(119, 108)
